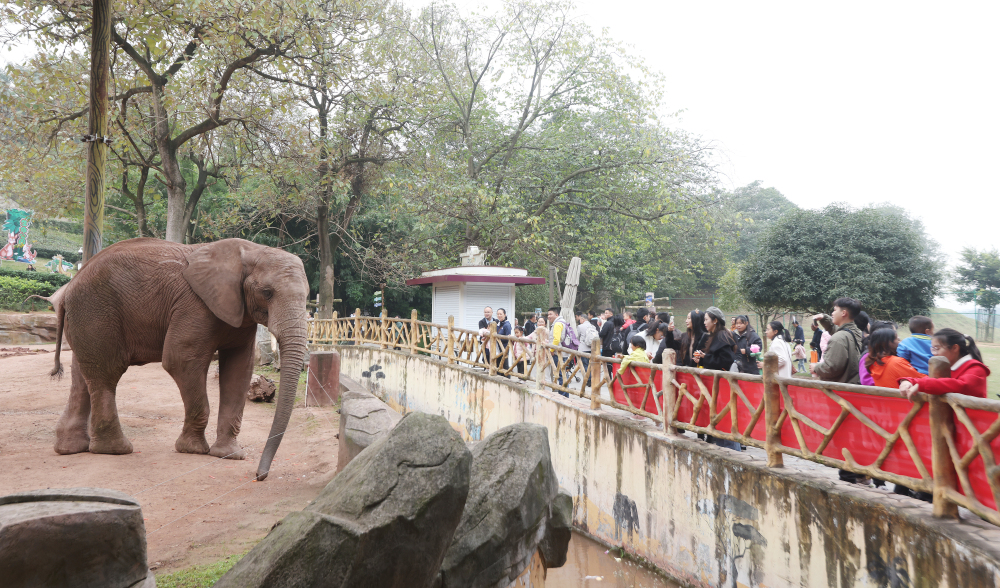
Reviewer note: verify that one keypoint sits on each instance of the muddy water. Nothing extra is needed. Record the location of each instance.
(588, 565)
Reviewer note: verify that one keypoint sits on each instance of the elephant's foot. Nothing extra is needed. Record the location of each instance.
(112, 446)
(191, 443)
(228, 449)
(70, 442)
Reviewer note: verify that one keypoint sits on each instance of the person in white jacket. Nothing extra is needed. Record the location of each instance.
(780, 347)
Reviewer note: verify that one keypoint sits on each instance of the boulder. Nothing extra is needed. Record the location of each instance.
(384, 521)
(73, 537)
(364, 419)
(262, 389)
(514, 510)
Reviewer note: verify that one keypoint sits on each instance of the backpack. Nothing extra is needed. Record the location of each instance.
(573, 341)
(618, 343)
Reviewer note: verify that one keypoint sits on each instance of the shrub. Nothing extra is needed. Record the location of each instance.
(13, 291)
(47, 254)
(55, 280)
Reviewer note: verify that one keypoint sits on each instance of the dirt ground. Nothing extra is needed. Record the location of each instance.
(197, 508)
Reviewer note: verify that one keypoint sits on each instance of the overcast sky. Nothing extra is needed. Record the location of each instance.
(857, 102)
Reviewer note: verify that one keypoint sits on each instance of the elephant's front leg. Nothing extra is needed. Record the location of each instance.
(235, 371)
(190, 375)
(71, 430)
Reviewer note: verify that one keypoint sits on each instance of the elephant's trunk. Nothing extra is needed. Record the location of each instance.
(291, 335)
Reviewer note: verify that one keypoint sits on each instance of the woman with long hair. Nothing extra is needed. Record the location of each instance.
(693, 340)
(775, 334)
(717, 353)
(968, 372)
(885, 367)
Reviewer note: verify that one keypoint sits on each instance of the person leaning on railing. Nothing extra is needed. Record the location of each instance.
(887, 368)
(968, 372)
(842, 356)
(843, 353)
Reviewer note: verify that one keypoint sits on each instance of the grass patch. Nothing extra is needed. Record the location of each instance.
(991, 357)
(202, 576)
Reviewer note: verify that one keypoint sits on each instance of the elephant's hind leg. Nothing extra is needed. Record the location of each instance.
(235, 370)
(106, 434)
(71, 430)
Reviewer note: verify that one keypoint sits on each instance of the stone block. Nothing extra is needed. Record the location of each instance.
(73, 537)
(323, 386)
(384, 521)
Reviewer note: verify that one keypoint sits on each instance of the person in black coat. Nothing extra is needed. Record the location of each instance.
(529, 326)
(717, 354)
(746, 337)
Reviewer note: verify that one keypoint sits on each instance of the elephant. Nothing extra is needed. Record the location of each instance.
(145, 300)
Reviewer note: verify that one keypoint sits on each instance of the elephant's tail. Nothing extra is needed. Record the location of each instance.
(36, 296)
(57, 371)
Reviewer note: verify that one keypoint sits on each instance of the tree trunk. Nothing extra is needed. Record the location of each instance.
(191, 206)
(97, 151)
(174, 180)
(324, 308)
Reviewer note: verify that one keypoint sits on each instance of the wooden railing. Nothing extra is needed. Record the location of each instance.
(943, 445)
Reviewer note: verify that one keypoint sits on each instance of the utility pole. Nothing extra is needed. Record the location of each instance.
(97, 129)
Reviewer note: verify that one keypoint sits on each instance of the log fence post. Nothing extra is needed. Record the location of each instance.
(942, 428)
(414, 331)
(491, 350)
(451, 339)
(772, 409)
(669, 392)
(383, 332)
(595, 374)
(357, 326)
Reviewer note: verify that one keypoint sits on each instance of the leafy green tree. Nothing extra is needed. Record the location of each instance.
(544, 144)
(755, 209)
(878, 255)
(978, 275)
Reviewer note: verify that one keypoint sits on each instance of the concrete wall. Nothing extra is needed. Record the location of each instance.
(27, 329)
(704, 515)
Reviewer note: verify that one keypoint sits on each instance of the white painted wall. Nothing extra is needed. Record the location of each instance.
(705, 515)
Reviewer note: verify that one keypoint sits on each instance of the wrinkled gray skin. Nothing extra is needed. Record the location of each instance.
(146, 300)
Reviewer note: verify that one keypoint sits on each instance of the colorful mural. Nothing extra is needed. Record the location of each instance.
(17, 247)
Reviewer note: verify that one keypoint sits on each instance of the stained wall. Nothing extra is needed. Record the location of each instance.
(704, 515)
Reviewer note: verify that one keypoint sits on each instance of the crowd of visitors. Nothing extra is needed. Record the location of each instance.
(846, 347)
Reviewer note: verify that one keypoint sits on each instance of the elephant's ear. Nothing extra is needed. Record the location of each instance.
(215, 273)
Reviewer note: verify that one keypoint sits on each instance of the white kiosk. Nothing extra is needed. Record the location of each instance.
(463, 292)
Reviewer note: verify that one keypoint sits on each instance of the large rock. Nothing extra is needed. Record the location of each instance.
(364, 419)
(514, 509)
(72, 537)
(27, 329)
(385, 521)
(262, 389)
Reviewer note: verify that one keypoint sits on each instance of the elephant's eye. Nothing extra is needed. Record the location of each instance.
(267, 292)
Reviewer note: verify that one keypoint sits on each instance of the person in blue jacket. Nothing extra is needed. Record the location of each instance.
(916, 349)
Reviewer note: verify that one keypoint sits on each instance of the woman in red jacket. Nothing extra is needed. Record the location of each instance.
(968, 373)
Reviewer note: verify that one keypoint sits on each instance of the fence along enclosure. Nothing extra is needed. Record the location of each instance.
(943, 445)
